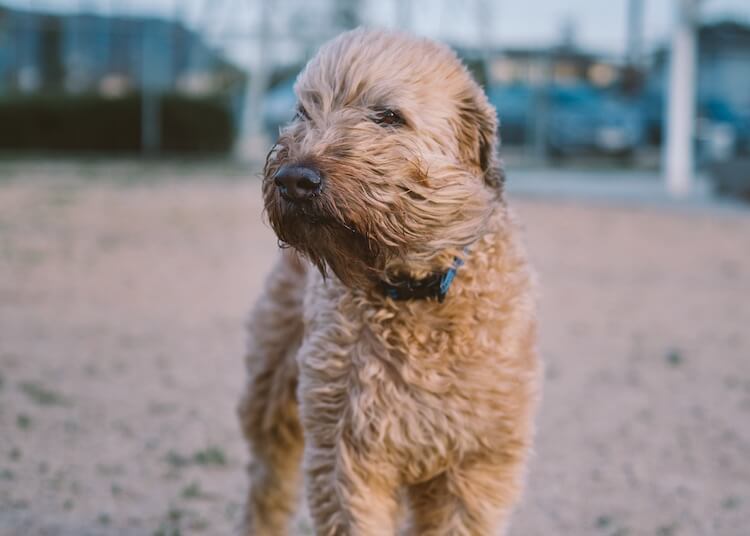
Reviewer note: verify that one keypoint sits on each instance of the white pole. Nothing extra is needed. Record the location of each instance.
(681, 101)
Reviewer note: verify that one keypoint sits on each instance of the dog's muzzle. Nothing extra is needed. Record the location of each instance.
(297, 183)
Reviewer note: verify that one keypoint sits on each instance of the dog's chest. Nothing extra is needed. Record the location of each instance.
(393, 382)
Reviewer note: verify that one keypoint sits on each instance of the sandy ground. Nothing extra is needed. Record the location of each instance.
(122, 301)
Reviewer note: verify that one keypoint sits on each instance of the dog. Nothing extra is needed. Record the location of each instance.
(392, 361)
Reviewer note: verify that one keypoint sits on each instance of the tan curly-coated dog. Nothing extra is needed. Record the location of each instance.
(392, 358)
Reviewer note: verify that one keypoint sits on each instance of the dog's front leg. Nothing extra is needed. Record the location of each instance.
(349, 494)
(268, 410)
(475, 497)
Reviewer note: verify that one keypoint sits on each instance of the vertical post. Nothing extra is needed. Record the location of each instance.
(484, 26)
(537, 124)
(484, 21)
(631, 81)
(678, 157)
(635, 33)
(150, 105)
(251, 141)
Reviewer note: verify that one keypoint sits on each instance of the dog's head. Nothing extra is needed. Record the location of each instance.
(390, 162)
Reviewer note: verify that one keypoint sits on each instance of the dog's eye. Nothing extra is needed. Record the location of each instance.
(302, 113)
(388, 117)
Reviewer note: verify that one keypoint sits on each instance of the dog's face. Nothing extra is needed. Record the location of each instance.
(389, 165)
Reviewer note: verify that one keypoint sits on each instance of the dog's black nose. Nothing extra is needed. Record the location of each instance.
(297, 183)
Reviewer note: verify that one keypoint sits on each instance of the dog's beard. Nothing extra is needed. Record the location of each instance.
(326, 240)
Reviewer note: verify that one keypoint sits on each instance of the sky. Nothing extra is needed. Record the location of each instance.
(599, 25)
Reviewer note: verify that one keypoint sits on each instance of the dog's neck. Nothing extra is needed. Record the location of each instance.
(434, 286)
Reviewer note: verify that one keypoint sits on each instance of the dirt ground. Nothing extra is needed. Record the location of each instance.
(122, 302)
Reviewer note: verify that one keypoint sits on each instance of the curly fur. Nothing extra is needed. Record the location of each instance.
(416, 415)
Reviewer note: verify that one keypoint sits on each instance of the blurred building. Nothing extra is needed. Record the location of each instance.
(86, 82)
(723, 65)
(723, 98)
(80, 53)
(562, 101)
(558, 65)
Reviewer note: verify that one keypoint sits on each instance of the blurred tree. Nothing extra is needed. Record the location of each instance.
(346, 14)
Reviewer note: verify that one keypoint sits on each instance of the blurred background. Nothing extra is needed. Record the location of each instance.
(578, 83)
(132, 134)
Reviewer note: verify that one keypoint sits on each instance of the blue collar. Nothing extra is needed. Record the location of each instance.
(435, 285)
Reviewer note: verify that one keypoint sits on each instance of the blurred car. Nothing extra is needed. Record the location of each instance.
(579, 120)
(583, 121)
(721, 132)
(279, 106)
(732, 177)
(513, 104)
(652, 110)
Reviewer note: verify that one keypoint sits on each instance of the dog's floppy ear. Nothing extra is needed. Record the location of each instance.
(477, 138)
